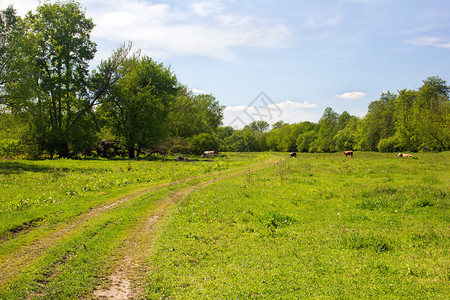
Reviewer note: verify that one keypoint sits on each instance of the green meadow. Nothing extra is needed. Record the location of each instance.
(319, 226)
(258, 225)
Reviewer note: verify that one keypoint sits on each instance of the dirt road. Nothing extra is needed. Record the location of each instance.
(126, 278)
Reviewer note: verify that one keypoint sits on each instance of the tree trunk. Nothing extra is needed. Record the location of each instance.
(63, 150)
(131, 152)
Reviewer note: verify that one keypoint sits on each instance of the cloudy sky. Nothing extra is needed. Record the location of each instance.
(281, 60)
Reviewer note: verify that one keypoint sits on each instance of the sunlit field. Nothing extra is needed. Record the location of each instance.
(264, 226)
(319, 226)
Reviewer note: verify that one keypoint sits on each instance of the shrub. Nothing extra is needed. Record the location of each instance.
(10, 147)
(390, 144)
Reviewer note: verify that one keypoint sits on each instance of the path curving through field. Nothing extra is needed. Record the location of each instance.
(127, 279)
(132, 255)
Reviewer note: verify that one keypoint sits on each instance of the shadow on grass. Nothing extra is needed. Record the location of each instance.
(8, 167)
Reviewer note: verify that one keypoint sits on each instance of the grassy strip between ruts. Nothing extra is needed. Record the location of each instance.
(319, 226)
(90, 184)
(82, 252)
(127, 277)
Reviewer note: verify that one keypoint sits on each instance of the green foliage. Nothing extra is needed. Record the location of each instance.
(204, 142)
(380, 120)
(246, 140)
(284, 138)
(53, 57)
(257, 126)
(391, 144)
(305, 140)
(194, 114)
(10, 32)
(139, 103)
(10, 147)
(431, 110)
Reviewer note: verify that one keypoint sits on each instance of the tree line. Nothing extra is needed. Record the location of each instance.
(51, 103)
(410, 120)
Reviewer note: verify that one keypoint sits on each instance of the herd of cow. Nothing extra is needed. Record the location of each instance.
(206, 154)
(350, 152)
(211, 154)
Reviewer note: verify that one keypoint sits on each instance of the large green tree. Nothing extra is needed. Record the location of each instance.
(139, 103)
(10, 33)
(327, 129)
(431, 111)
(53, 56)
(379, 121)
(404, 119)
(193, 114)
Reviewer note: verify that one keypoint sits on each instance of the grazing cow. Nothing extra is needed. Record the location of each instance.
(208, 154)
(405, 155)
(347, 153)
(293, 154)
(179, 158)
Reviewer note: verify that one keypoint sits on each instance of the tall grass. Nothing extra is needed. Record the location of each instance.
(319, 226)
(79, 258)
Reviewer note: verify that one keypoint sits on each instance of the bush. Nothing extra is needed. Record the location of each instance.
(390, 144)
(176, 145)
(9, 147)
(204, 142)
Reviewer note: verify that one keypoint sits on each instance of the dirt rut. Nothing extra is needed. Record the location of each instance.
(126, 282)
(126, 276)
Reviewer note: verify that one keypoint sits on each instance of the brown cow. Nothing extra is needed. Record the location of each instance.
(293, 154)
(347, 153)
(405, 155)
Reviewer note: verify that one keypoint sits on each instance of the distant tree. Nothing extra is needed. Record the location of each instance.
(258, 126)
(343, 120)
(404, 119)
(279, 124)
(242, 141)
(327, 129)
(284, 138)
(11, 30)
(222, 133)
(194, 114)
(379, 121)
(431, 112)
(204, 142)
(347, 137)
(305, 141)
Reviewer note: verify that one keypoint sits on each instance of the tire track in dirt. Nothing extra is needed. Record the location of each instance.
(127, 280)
(13, 264)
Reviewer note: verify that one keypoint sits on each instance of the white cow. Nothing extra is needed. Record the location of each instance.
(208, 154)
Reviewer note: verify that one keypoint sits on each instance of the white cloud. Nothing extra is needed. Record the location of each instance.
(431, 41)
(205, 9)
(204, 28)
(207, 29)
(197, 91)
(288, 105)
(352, 95)
(22, 7)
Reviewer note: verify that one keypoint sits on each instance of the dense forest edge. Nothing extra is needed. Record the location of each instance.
(53, 105)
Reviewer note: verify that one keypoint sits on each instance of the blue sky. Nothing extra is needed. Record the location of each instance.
(303, 55)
